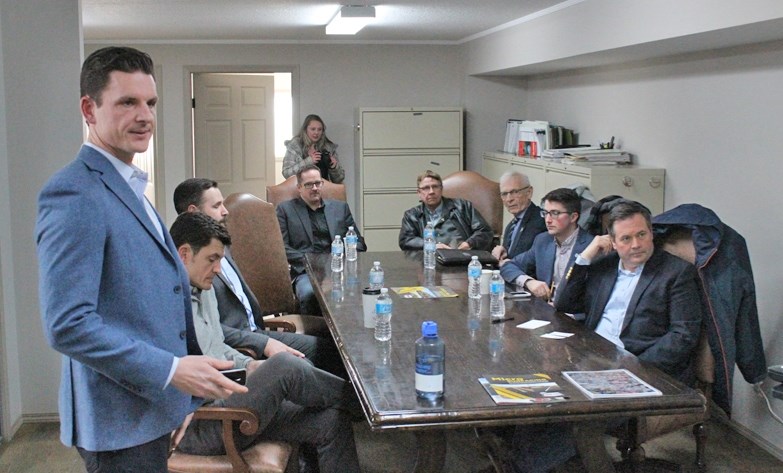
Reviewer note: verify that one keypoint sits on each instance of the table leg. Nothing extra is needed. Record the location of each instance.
(431, 451)
(590, 445)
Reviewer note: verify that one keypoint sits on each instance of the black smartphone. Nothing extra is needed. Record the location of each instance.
(517, 295)
(237, 375)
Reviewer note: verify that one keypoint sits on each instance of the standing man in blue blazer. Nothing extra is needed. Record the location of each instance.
(309, 224)
(541, 268)
(115, 298)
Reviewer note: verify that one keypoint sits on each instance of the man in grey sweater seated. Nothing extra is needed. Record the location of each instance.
(295, 401)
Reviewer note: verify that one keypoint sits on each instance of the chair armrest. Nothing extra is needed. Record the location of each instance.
(280, 325)
(248, 352)
(248, 425)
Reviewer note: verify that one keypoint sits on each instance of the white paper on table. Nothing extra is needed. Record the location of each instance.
(533, 324)
(556, 335)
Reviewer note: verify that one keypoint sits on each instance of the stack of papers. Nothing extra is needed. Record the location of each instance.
(585, 155)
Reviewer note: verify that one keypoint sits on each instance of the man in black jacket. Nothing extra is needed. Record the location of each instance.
(457, 224)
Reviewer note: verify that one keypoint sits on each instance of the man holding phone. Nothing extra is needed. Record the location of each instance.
(295, 401)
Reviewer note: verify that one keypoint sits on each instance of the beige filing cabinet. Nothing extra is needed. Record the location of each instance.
(395, 146)
(645, 185)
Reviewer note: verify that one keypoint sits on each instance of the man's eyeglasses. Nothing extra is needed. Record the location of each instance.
(503, 195)
(310, 185)
(553, 213)
(433, 187)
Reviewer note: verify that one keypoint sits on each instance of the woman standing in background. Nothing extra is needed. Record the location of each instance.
(311, 146)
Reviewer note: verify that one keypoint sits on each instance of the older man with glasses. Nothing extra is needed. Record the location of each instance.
(456, 223)
(516, 192)
(541, 268)
(309, 224)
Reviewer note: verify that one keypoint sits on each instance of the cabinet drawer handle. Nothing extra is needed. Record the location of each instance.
(628, 181)
(434, 163)
(655, 182)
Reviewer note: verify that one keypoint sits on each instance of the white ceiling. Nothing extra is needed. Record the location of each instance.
(297, 20)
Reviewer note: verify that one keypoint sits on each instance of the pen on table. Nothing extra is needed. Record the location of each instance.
(500, 321)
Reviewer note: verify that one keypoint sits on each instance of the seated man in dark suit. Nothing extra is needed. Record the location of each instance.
(295, 402)
(541, 268)
(516, 191)
(241, 317)
(638, 297)
(457, 224)
(309, 224)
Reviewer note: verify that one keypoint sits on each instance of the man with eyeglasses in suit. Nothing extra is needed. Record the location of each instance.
(540, 269)
(516, 192)
(309, 224)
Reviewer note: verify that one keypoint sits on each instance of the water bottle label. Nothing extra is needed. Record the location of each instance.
(429, 234)
(496, 287)
(337, 250)
(428, 383)
(376, 278)
(351, 240)
(383, 308)
(474, 272)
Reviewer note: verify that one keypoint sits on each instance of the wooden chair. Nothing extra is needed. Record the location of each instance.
(263, 457)
(483, 193)
(287, 190)
(642, 429)
(258, 249)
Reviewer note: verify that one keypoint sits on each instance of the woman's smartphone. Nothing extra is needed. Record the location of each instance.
(237, 375)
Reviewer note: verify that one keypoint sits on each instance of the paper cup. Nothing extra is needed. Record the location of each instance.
(368, 304)
(486, 275)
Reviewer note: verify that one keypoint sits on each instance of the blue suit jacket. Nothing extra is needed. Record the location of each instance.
(539, 261)
(532, 225)
(115, 301)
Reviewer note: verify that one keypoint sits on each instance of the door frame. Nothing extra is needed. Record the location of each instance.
(257, 69)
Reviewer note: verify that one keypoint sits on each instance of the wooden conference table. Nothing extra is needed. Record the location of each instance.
(383, 372)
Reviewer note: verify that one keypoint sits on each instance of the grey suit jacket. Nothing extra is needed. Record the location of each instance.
(298, 231)
(233, 318)
(664, 316)
(115, 301)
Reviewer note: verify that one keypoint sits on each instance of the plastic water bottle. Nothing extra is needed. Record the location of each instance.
(337, 254)
(497, 292)
(351, 240)
(383, 314)
(474, 278)
(376, 275)
(429, 231)
(430, 362)
(429, 252)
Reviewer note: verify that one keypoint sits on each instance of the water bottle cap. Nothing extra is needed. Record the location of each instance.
(474, 258)
(337, 237)
(350, 227)
(495, 271)
(376, 263)
(429, 328)
(384, 290)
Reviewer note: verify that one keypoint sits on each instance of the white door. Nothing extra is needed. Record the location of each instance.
(234, 131)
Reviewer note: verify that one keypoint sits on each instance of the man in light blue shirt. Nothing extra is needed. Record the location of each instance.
(635, 295)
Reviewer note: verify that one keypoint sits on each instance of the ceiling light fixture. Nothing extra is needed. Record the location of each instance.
(350, 19)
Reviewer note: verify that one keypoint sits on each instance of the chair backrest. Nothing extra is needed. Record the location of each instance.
(680, 244)
(257, 248)
(287, 190)
(483, 193)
